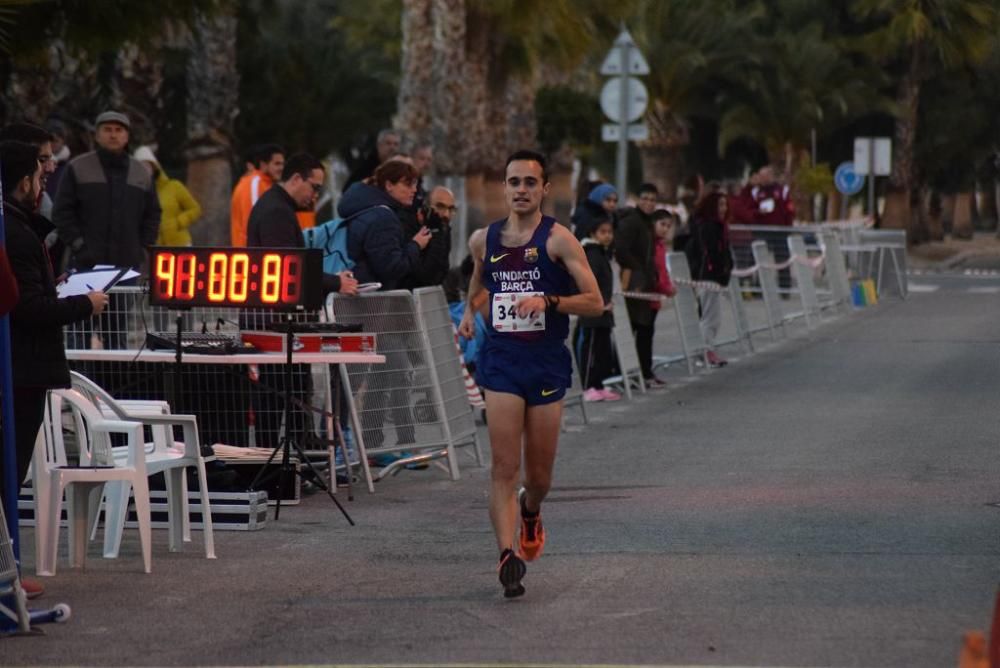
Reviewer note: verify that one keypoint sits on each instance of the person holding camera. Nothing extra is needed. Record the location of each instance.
(435, 214)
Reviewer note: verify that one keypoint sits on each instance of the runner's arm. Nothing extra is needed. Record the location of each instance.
(563, 246)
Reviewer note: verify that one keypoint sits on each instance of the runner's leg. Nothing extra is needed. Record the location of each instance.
(541, 430)
(505, 420)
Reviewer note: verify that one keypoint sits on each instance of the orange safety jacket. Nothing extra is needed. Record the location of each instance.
(246, 193)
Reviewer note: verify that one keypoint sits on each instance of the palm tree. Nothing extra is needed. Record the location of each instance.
(919, 36)
(485, 58)
(212, 104)
(691, 46)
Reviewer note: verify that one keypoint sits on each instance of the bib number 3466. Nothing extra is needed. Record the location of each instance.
(505, 318)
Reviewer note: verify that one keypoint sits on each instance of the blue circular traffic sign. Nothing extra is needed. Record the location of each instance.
(847, 180)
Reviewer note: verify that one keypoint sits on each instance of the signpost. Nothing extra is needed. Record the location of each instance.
(872, 157)
(624, 100)
(848, 182)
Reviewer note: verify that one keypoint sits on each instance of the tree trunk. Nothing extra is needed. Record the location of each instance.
(213, 98)
(449, 105)
(835, 206)
(416, 91)
(962, 222)
(947, 213)
(935, 213)
(898, 211)
(988, 210)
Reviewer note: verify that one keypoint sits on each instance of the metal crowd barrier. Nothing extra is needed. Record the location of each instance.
(415, 405)
(686, 309)
(625, 350)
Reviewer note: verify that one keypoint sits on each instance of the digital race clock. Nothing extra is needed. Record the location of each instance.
(269, 278)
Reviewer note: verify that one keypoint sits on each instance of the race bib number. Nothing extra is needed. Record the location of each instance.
(767, 205)
(505, 318)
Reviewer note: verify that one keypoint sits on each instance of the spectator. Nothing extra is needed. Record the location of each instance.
(40, 138)
(60, 153)
(595, 358)
(386, 145)
(106, 209)
(456, 288)
(273, 223)
(634, 251)
(383, 254)
(691, 193)
(37, 354)
(663, 228)
(772, 200)
(771, 203)
(422, 155)
(375, 239)
(180, 209)
(269, 163)
(710, 261)
(43, 141)
(436, 214)
(600, 205)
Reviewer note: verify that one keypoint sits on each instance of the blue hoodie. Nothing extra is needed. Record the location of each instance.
(375, 238)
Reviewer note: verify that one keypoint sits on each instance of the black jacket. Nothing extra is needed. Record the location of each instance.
(634, 244)
(106, 210)
(272, 224)
(599, 259)
(375, 240)
(708, 252)
(433, 263)
(38, 354)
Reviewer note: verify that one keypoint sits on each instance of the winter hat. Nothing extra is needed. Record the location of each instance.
(145, 154)
(601, 192)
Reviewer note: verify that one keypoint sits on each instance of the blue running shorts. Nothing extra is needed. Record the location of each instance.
(538, 372)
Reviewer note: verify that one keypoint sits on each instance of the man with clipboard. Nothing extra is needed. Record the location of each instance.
(37, 354)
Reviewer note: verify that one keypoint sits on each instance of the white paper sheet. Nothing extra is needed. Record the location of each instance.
(82, 282)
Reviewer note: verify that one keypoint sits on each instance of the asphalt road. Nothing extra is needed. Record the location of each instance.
(832, 500)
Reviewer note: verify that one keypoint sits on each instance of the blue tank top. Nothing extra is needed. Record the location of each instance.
(526, 268)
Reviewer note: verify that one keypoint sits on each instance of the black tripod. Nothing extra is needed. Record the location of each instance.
(288, 441)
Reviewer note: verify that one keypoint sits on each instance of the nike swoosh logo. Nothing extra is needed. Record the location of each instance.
(549, 393)
(495, 259)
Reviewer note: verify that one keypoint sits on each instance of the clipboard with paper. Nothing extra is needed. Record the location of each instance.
(101, 279)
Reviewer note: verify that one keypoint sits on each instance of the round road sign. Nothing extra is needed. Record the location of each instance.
(847, 180)
(636, 97)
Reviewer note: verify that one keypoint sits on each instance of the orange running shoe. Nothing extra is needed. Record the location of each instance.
(511, 570)
(532, 539)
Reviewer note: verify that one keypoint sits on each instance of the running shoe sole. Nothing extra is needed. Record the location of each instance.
(512, 570)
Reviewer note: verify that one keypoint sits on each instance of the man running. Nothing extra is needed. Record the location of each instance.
(537, 275)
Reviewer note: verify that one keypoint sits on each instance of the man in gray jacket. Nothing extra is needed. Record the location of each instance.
(107, 212)
(106, 209)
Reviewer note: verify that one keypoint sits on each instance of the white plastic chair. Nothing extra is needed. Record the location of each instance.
(163, 455)
(84, 482)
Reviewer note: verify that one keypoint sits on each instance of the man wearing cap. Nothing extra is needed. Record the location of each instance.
(106, 210)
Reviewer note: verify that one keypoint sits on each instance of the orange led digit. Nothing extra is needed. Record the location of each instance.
(184, 285)
(291, 274)
(218, 263)
(239, 277)
(270, 281)
(165, 263)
